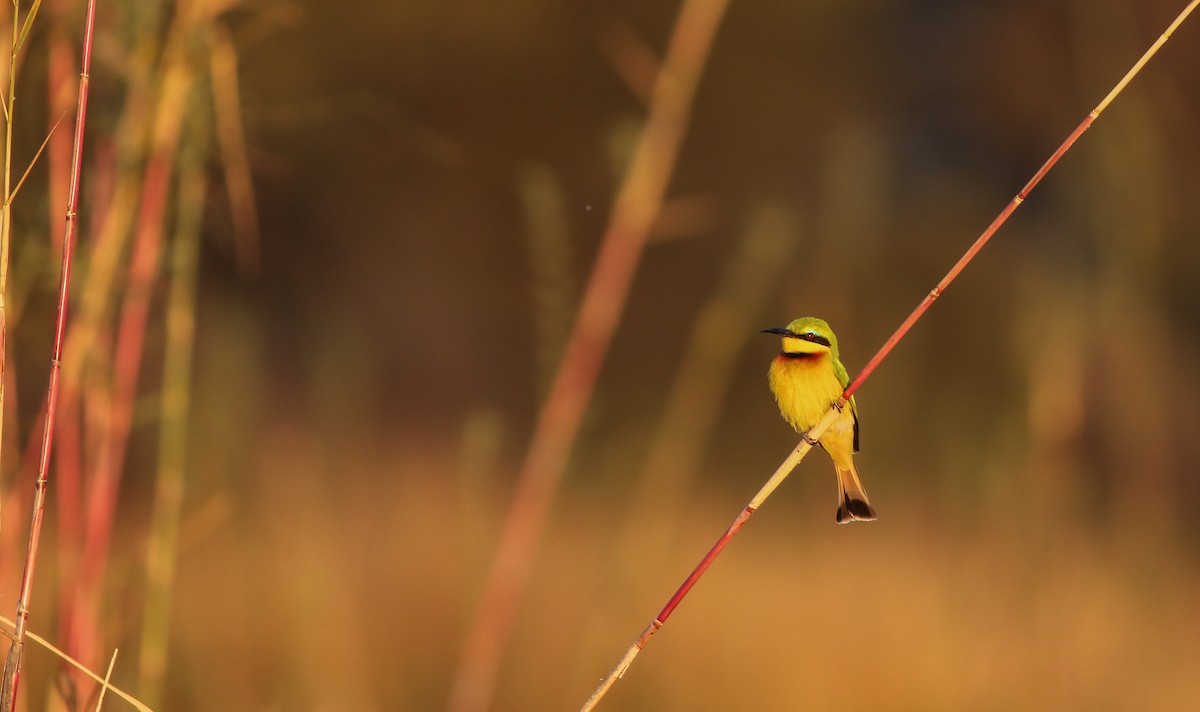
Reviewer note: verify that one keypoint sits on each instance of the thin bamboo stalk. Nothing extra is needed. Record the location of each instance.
(12, 664)
(638, 203)
(815, 433)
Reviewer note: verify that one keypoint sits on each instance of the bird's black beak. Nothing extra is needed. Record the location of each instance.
(777, 330)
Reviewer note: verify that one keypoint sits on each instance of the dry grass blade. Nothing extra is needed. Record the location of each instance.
(104, 686)
(20, 182)
(136, 703)
(27, 25)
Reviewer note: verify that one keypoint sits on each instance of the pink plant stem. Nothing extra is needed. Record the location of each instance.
(637, 205)
(819, 429)
(68, 467)
(765, 491)
(19, 493)
(101, 501)
(106, 477)
(72, 448)
(12, 666)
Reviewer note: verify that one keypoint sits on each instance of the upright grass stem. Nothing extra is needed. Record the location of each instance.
(12, 665)
(172, 449)
(6, 208)
(20, 30)
(815, 433)
(231, 140)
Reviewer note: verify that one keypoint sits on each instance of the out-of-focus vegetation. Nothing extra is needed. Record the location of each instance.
(432, 180)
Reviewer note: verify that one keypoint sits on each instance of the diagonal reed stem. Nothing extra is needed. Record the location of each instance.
(12, 664)
(818, 430)
(637, 205)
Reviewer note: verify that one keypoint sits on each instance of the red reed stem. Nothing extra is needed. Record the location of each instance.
(968, 256)
(1015, 202)
(637, 205)
(816, 431)
(12, 665)
(690, 581)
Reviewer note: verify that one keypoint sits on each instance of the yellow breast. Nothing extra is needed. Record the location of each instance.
(804, 387)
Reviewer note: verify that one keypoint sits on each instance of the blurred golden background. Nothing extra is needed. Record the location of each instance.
(433, 181)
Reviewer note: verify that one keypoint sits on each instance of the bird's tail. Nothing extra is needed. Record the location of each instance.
(853, 505)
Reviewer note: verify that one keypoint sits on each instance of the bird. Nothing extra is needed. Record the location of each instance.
(806, 378)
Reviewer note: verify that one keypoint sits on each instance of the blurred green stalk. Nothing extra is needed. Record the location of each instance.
(174, 405)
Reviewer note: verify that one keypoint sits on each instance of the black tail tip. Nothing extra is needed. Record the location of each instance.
(855, 510)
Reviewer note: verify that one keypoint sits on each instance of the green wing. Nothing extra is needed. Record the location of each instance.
(844, 378)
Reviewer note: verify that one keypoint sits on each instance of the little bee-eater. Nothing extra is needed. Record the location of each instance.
(806, 378)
